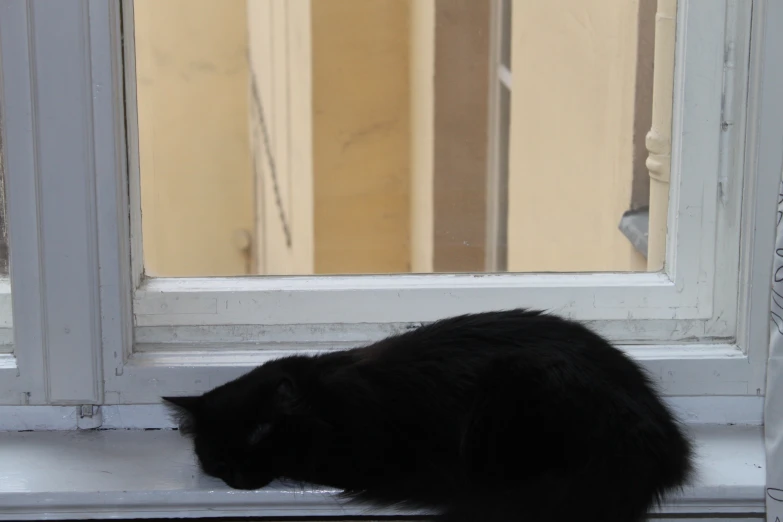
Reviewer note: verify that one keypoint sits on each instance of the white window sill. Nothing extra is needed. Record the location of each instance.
(151, 474)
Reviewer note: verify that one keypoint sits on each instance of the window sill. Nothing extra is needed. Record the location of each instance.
(151, 474)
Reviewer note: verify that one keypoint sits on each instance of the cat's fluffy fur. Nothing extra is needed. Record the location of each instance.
(513, 415)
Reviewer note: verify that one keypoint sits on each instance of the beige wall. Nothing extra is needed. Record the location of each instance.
(572, 129)
(280, 92)
(449, 119)
(422, 112)
(462, 55)
(361, 139)
(375, 153)
(196, 180)
(339, 130)
(348, 116)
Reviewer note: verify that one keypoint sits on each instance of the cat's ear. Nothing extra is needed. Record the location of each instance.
(184, 410)
(259, 433)
(286, 394)
(188, 404)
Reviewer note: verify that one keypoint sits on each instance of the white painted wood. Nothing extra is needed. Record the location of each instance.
(504, 76)
(731, 228)
(400, 298)
(741, 410)
(767, 156)
(22, 375)
(131, 240)
(120, 474)
(117, 272)
(339, 335)
(56, 130)
(710, 518)
(69, 131)
(38, 418)
(760, 189)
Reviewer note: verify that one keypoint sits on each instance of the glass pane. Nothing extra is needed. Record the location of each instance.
(354, 137)
(6, 319)
(3, 228)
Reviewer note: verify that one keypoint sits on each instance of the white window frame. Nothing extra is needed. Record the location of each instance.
(181, 324)
(22, 370)
(93, 330)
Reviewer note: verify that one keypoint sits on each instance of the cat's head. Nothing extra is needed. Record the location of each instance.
(238, 429)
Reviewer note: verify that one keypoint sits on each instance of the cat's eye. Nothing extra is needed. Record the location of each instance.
(259, 433)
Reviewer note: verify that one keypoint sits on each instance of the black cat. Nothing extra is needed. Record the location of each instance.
(512, 415)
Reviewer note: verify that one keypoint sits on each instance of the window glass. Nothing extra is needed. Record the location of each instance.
(355, 137)
(6, 333)
(3, 226)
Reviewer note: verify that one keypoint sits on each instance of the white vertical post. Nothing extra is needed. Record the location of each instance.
(659, 139)
(22, 181)
(60, 114)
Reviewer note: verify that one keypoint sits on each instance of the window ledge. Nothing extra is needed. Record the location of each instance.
(151, 474)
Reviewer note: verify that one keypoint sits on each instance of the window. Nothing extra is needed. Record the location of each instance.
(190, 332)
(107, 314)
(6, 335)
(110, 312)
(8, 360)
(110, 317)
(401, 141)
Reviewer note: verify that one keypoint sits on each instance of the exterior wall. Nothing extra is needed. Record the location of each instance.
(196, 178)
(449, 119)
(462, 55)
(280, 119)
(380, 166)
(572, 128)
(422, 112)
(361, 136)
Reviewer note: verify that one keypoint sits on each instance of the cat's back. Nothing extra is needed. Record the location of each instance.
(525, 356)
(530, 337)
(461, 401)
(452, 361)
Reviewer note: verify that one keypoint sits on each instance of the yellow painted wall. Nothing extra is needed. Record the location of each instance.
(462, 74)
(572, 123)
(422, 139)
(281, 74)
(347, 88)
(361, 135)
(196, 181)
